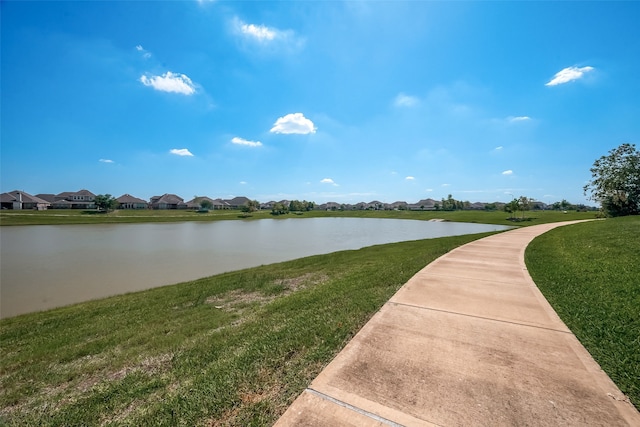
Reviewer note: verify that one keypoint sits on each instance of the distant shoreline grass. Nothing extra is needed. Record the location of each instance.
(233, 349)
(590, 274)
(65, 216)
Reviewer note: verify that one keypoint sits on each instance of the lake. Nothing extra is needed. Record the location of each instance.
(43, 266)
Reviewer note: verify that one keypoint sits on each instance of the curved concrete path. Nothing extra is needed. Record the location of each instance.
(469, 340)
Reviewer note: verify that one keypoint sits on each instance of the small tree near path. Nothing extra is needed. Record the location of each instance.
(615, 181)
(512, 207)
(525, 204)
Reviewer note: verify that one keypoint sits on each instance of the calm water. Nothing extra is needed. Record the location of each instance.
(50, 266)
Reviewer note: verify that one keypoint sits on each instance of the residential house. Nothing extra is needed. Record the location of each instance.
(220, 204)
(19, 200)
(477, 206)
(127, 201)
(399, 205)
(83, 199)
(215, 203)
(329, 206)
(375, 205)
(237, 202)
(168, 201)
(424, 205)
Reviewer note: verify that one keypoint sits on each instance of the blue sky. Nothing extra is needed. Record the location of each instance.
(318, 100)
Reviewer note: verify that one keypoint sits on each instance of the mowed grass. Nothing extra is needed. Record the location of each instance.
(234, 349)
(590, 274)
(69, 216)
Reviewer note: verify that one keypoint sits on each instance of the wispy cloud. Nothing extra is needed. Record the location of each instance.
(568, 74)
(507, 172)
(498, 148)
(293, 123)
(181, 152)
(170, 82)
(145, 53)
(267, 36)
(410, 178)
(403, 100)
(518, 119)
(328, 181)
(241, 141)
(105, 161)
(259, 32)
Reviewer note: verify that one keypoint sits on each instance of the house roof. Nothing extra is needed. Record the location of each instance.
(128, 198)
(82, 192)
(21, 196)
(7, 198)
(426, 202)
(238, 201)
(48, 197)
(170, 199)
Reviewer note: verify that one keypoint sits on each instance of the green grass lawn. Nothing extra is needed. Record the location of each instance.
(238, 348)
(69, 216)
(590, 273)
(233, 349)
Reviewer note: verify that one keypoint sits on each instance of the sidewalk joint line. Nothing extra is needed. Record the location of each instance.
(354, 408)
(478, 317)
(496, 282)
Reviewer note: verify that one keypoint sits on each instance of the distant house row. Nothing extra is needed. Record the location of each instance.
(84, 199)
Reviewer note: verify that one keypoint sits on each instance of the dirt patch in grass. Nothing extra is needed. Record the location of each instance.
(54, 398)
(237, 299)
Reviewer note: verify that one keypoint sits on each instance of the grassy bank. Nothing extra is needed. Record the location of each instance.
(590, 273)
(233, 349)
(61, 217)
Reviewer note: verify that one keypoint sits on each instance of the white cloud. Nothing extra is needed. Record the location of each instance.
(243, 182)
(259, 32)
(410, 178)
(105, 161)
(145, 53)
(403, 100)
(293, 123)
(446, 185)
(499, 148)
(263, 33)
(241, 141)
(429, 190)
(507, 172)
(568, 74)
(170, 82)
(328, 181)
(518, 119)
(181, 152)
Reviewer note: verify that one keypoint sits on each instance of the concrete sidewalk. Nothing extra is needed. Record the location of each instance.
(469, 340)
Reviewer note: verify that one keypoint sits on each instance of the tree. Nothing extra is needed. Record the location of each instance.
(279, 209)
(105, 202)
(615, 181)
(205, 204)
(251, 206)
(525, 204)
(512, 207)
